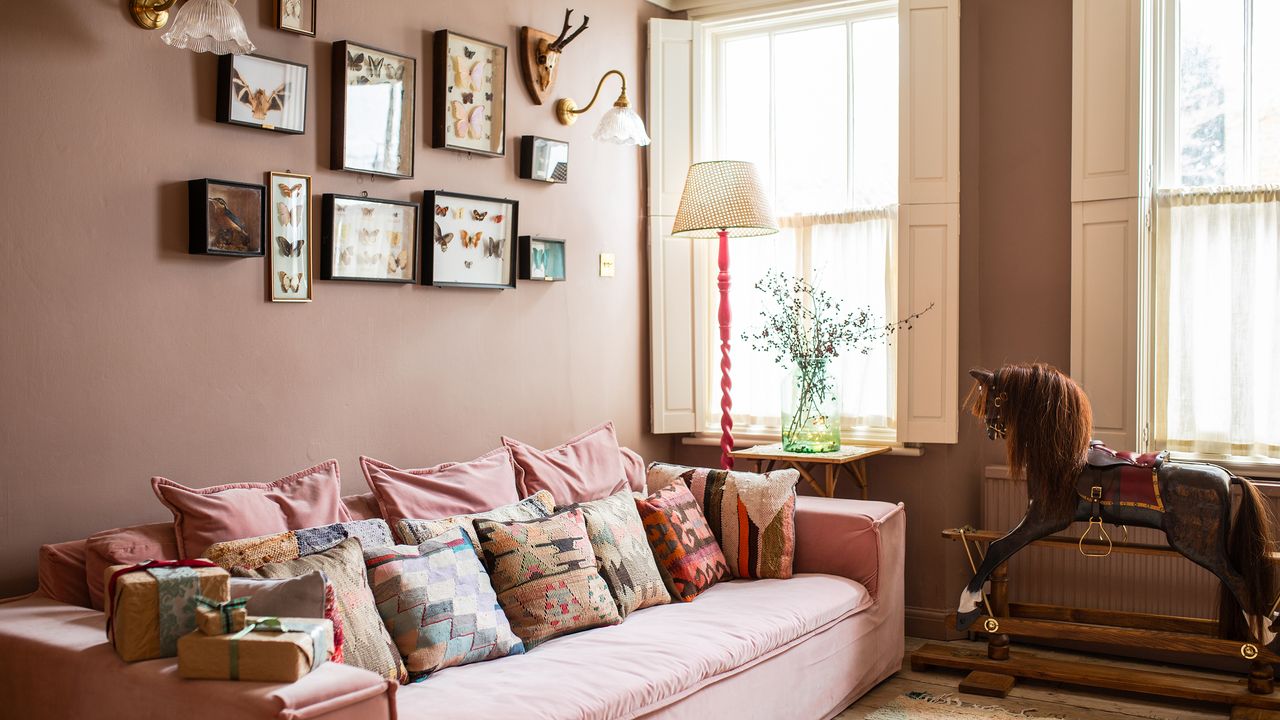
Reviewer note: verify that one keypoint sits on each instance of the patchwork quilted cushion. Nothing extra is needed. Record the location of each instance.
(365, 642)
(623, 556)
(752, 515)
(438, 604)
(258, 551)
(544, 572)
(682, 543)
(415, 532)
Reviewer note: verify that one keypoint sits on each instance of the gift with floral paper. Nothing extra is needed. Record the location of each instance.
(152, 604)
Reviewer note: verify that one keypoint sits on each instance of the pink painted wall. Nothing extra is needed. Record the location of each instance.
(123, 356)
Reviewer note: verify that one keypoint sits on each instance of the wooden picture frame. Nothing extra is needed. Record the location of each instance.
(291, 16)
(542, 259)
(368, 239)
(379, 143)
(226, 218)
(470, 95)
(543, 159)
(469, 233)
(289, 272)
(262, 92)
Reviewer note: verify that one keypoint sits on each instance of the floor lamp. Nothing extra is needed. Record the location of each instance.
(724, 199)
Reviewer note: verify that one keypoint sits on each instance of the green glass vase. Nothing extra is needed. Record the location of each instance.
(811, 408)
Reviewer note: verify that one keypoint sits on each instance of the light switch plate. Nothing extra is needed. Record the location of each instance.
(606, 264)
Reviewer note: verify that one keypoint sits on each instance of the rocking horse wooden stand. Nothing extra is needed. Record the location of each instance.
(1046, 422)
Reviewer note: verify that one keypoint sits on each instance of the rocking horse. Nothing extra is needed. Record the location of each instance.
(1045, 420)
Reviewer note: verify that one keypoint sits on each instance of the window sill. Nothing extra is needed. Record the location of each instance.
(746, 440)
(1266, 471)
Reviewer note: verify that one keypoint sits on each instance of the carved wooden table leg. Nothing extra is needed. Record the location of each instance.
(998, 643)
(1261, 678)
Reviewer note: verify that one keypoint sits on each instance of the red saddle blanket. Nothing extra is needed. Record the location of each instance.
(1121, 478)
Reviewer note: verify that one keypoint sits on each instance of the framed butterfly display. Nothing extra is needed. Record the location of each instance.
(369, 239)
(373, 110)
(289, 244)
(472, 241)
(298, 16)
(262, 92)
(470, 95)
(226, 217)
(541, 258)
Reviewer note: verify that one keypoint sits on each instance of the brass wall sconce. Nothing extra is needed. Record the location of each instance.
(619, 125)
(199, 25)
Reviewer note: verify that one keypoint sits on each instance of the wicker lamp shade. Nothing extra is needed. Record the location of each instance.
(723, 195)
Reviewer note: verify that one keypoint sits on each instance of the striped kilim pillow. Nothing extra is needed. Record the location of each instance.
(752, 515)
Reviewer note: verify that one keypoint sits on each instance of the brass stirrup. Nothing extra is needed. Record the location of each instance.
(1102, 536)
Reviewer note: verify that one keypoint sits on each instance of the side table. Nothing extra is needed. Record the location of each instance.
(849, 458)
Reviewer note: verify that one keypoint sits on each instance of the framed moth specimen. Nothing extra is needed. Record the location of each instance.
(544, 159)
(262, 92)
(297, 16)
(470, 93)
(226, 217)
(373, 110)
(289, 272)
(369, 239)
(541, 258)
(472, 241)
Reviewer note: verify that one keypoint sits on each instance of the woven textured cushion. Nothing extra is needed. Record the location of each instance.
(622, 553)
(124, 546)
(204, 516)
(687, 552)
(587, 467)
(444, 490)
(365, 641)
(258, 551)
(415, 532)
(544, 572)
(438, 604)
(752, 515)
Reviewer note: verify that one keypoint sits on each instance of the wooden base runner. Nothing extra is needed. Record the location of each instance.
(1156, 683)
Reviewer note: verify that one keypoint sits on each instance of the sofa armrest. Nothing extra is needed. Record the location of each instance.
(856, 539)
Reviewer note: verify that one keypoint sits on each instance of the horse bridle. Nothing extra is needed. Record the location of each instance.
(996, 427)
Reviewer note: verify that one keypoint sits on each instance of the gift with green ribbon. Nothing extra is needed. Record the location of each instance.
(220, 618)
(266, 649)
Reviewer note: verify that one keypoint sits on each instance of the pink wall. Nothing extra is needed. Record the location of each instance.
(124, 357)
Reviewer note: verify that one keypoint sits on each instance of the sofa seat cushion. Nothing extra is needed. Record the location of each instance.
(658, 655)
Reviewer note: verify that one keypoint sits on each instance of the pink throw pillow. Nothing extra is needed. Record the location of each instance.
(456, 488)
(587, 467)
(204, 516)
(124, 546)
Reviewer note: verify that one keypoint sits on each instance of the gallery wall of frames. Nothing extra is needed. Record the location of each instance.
(450, 238)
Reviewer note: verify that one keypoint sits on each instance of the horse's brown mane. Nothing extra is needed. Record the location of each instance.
(1049, 424)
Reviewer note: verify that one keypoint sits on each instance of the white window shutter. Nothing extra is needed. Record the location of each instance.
(674, 380)
(928, 242)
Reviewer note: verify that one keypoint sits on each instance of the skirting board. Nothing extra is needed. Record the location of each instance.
(931, 624)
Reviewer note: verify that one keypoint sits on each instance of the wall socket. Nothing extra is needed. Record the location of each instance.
(606, 265)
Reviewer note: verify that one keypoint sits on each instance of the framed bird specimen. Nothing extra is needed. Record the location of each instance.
(226, 217)
(297, 16)
(369, 239)
(261, 92)
(472, 241)
(373, 110)
(289, 244)
(470, 92)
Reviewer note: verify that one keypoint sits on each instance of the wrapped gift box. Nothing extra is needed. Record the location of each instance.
(150, 606)
(266, 650)
(220, 618)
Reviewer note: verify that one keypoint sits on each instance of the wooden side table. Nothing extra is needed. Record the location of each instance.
(849, 459)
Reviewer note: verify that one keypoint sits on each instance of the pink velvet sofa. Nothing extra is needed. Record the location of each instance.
(801, 648)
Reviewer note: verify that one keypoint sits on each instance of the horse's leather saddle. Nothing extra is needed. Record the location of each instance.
(1121, 478)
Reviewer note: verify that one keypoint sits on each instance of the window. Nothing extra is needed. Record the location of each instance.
(812, 100)
(1216, 241)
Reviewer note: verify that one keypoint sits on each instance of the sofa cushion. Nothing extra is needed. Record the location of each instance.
(586, 467)
(455, 488)
(633, 470)
(125, 546)
(258, 551)
(362, 507)
(687, 553)
(204, 516)
(60, 573)
(647, 662)
(414, 531)
(544, 572)
(622, 552)
(752, 515)
(438, 604)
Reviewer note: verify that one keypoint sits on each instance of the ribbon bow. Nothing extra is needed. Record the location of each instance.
(319, 646)
(225, 608)
(146, 565)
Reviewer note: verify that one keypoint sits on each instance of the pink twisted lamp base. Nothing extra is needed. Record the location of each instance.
(726, 403)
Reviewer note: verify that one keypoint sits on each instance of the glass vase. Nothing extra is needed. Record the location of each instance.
(811, 408)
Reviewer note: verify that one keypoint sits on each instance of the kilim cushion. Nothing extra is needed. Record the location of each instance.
(544, 572)
(682, 543)
(258, 551)
(537, 505)
(623, 556)
(438, 604)
(752, 515)
(365, 643)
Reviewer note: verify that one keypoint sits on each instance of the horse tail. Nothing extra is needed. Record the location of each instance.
(1249, 546)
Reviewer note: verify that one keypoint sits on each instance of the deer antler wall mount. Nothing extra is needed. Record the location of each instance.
(540, 55)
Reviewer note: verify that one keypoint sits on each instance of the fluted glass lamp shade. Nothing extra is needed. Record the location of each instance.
(724, 195)
(623, 126)
(209, 26)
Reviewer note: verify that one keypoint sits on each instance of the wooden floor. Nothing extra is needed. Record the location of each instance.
(1045, 699)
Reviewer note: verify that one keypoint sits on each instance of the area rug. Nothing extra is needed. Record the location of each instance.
(926, 706)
